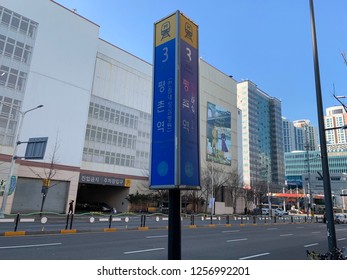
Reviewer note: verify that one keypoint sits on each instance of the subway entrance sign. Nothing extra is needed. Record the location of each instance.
(175, 161)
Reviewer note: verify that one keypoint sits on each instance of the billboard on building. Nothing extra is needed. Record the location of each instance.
(218, 134)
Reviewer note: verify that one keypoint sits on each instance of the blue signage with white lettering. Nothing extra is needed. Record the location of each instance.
(163, 126)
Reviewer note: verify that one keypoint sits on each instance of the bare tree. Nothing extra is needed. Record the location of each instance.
(344, 57)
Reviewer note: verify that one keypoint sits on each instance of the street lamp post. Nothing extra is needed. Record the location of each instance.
(325, 166)
(13, 158)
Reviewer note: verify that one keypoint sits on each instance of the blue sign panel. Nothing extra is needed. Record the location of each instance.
(189, 120)
(163, 126)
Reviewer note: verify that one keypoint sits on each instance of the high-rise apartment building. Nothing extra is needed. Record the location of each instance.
(262, 135)
(335, 118)
(299, 135)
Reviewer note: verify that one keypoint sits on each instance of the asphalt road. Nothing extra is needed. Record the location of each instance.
(261, 242)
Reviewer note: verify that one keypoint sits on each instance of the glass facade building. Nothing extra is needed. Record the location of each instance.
(262, 135)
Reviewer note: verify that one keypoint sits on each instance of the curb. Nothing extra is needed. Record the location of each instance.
(14, 233)
(143, 228)
(110, 229)
(68, 231)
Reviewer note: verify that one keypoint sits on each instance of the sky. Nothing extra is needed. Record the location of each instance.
(266, 41)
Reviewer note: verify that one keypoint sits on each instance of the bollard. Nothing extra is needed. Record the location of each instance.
(291, 219)
(211, 219)
(265, 220)
(71, 220)
(110, 221)
(228, 221)
(16, 222)
(67, 220)
(143, 220)
(192, 220)
(305, 219)
(241, 220)
(275, 219)
(254, 220)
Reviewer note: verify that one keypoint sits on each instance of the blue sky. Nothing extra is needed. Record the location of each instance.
(266, 41)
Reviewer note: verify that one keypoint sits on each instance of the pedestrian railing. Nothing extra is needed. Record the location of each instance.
(44, 222)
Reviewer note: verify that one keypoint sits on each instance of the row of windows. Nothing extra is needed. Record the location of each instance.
(17, 22)
(15, 49)
(94, 155)
(12, 78)
(8, 119)
(111, 115)
(104, 135)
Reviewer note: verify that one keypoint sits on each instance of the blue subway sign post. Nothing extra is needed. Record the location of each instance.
(175, 161)
(175, 149)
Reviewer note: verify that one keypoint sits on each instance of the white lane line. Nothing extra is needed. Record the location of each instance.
(227, 231)
(254, 256)
(236, 240)
(340, 239)
(273, 228)
(310, 245)
(157, 236)
(314, 232)
(30, 246)
(300, 227)
(287, 234)
(143, 251)
(340, 229)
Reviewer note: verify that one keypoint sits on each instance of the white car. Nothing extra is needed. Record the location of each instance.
(340, 218)
(280, 212)
(265, 211)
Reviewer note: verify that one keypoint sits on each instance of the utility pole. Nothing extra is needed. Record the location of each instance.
(326, 176)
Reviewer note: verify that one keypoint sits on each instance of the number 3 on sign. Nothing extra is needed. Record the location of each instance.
(165, 54)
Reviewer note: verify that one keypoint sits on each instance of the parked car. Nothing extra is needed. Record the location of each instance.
(280, 212)
(295, 211)
(265, 211)
(340, 218)
(94, 207)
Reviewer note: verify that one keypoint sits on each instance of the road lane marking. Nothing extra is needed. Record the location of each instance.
(314, 232)
(254, 256)
(236, 240)
(310, 245)
(227, 231)
(287, 234)
(273, 228)
(344, 238)
(30, 246)
(157, 236)
(300, 227)
(143, 251)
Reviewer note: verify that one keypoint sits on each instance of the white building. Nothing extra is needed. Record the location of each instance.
(335, 118)
(97, 109)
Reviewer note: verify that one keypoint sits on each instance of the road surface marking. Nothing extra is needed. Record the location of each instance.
(344, 238)
(316, 232)
(254, 256)
(143, 251)
(310, 245)
(287, 234)
(157, 236)
(300, 227)
(236, 240)
(273, 228)
(30, 246)
(341, 229)
(226, 231)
